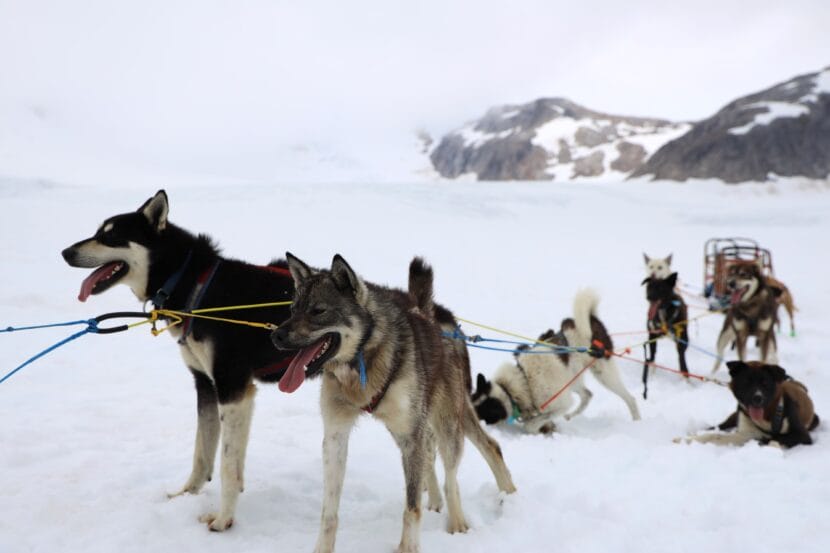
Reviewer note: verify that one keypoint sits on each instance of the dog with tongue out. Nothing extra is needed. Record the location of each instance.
(752, 312)
(773, 408)
(384, 351)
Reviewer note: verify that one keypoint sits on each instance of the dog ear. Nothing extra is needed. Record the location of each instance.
(346, 279)
(155, 210)
(736, 367)
(672, 280)
(482, 386)
(668, 260)
(778, 373)
(646, 258)
(299, 270)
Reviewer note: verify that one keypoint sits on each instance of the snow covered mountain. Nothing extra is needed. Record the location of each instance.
(783, 130)
(551, 139)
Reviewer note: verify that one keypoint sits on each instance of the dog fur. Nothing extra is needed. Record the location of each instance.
(659, 268)
(143, 249)
(413, 384)
(752, 312)
(536, 376)
(772, 408)
(667, 316)
(784, 297)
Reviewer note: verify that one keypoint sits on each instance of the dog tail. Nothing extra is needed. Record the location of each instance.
(420, 286)
(585, 305)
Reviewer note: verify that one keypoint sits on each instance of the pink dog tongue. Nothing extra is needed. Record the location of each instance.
(295, 374)
(97, 275)
(737, 295)
(652, 310)
(756, 413)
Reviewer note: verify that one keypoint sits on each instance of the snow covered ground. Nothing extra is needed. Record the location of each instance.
(94, 435)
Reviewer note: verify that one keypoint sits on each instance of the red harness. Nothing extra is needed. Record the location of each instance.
(201, 286)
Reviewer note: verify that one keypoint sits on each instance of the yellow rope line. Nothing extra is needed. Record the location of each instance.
(505, 332)
(180, 314)
(235, 307)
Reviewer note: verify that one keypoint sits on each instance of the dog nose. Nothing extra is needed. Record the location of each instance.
(68, 254)
(279, 337)
(757, 399)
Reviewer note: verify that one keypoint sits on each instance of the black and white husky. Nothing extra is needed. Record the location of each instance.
(171, 267)
(519, 390)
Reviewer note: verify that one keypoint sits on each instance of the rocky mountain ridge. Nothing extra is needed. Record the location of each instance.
(783, 130)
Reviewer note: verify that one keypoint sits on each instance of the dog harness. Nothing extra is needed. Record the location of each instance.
(164, 293)
(777, 422)
(378, 397)
(194, 301)
(196, 296)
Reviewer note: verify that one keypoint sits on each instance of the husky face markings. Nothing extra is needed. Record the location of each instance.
(742, 280)
(119, 251)
(752, 312)
(658, 268)
(755, 389)
(327, 320)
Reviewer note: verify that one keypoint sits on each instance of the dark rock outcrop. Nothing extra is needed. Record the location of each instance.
(783, 130)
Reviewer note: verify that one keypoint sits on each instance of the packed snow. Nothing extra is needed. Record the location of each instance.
(773, 111)
(94, 435)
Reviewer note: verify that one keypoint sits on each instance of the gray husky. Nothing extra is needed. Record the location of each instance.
(381, 351)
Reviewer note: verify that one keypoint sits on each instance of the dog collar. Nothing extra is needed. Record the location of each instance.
(515, 412)
(516, 415)
(163, 293)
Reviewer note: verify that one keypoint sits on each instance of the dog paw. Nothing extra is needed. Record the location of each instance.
(215, 522)
(681, 440)
(435, 506)
(187, 490)
(774, 443)
(548, 428)
(458, 527)
(193, 486)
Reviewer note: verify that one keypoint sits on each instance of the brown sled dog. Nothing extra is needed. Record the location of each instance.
(772, 407)
(752, 312)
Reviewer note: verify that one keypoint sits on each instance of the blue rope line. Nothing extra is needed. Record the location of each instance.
(490, 348)
(92, 327)
(70, 323)
(474, 340)
(700, 349)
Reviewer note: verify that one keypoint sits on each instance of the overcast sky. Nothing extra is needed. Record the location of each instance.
(211, 74)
